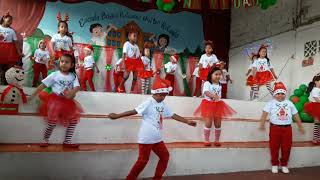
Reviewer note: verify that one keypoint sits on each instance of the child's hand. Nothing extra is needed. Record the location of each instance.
(113, 116)
(262, 127)
(301, 129)
(69, 94)
(98, 71)
(216, 97)
(192, 123)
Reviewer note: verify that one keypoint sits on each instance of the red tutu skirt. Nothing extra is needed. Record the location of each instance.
(8, 53)
(58, 54)
(145, 74)
(313, 109)
(213, 109)
(264, 77)
(58, 109)
(251, 81)
(203, 73)
(134, 64)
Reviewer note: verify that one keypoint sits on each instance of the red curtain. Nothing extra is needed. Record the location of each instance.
(26, 14)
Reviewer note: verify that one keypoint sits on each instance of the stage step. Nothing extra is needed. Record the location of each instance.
(113, 161)
(101, 130)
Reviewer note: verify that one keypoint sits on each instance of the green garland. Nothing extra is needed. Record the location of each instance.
(165, 5)
(265, 4)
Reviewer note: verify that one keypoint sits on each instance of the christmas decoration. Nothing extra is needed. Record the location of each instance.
(265, 4)
(300, 98)
(108, 67)
(165, 5)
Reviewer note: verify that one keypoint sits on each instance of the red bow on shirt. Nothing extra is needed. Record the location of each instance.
(7, 90)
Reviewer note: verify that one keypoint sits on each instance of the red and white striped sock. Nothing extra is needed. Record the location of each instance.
(217, 132)
(206, 134)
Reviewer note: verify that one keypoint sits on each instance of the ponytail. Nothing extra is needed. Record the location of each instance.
(310, 86)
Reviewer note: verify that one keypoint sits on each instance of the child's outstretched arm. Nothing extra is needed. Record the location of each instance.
(39, 89)
(254, 71)
(249, 71)
(273, 73)
(183, 120)
(263, 120)
(296, 117)
(124, 114)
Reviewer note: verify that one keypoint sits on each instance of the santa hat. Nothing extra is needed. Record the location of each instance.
(89, 47)
(279, 87)
(161, 86)
(175, 57)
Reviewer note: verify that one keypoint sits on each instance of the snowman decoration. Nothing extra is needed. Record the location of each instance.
(13, 92)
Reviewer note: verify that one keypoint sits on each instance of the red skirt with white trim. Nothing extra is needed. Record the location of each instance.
(8, 53)
(203, 73)
(134, 64)
(145, 74)
(313, 109)
(58, 109)
(214, 109)
(264, 77)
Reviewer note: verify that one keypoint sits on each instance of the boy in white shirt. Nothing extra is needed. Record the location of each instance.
(88, 65)
(281, 112)
(153, 111)
(41, 59)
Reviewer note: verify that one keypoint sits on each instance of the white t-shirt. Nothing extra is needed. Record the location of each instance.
(170, 67)
(132, 51)
(88, 62)
(146, 62)
(150, 130)
(315, 93)
(60, 82)
(41, 56)
(100, 41)
(223, 79)
(208, 60)
(196, 72)
(63, 43)
(7, 34)
(280, 112)
(262, 65)
(212, 88)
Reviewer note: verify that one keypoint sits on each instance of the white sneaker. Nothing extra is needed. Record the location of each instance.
(274, 169)
(285, 169)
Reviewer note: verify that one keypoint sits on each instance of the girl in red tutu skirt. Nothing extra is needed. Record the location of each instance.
(60, 106)
(313, 107)
(250, 80)
(263, 72)
(10, 51)
(62, 42)
(212, 108)
(207, 61)
(147, 73)
(132, 61)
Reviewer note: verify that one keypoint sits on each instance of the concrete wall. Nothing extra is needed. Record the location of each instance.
(285, 44)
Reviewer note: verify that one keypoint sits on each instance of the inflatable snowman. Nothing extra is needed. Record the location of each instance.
(14, 92)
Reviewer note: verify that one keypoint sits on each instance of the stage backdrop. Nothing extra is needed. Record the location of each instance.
(185, 29)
